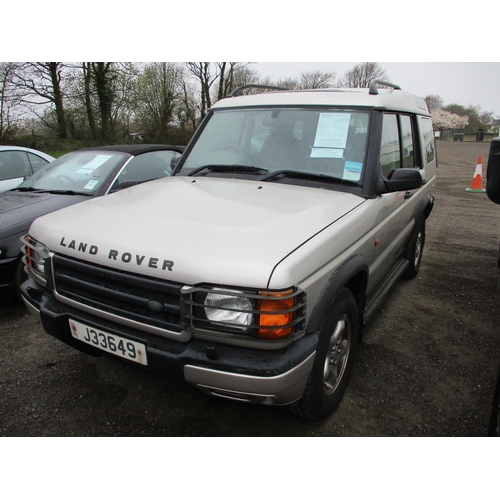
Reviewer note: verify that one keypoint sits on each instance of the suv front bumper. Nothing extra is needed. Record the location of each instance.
(232, 372)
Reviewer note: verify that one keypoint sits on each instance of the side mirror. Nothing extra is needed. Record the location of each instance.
(493, 172)
(401, 179)
(174, 161)
(118, 186)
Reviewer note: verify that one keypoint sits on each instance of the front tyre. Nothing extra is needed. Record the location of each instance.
(338, 339)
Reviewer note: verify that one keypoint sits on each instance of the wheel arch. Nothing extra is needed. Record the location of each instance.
(353, 275)
(425, 207)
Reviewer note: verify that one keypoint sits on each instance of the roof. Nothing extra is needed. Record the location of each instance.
(393, 99)
(27, 150)
(137, 149)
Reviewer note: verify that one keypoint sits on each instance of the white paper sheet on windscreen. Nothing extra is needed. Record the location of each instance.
(95, 163)
(332, 130)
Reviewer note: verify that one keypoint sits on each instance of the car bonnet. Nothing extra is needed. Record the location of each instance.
(194, 230)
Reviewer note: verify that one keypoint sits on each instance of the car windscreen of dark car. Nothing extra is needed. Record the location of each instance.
(82, 172)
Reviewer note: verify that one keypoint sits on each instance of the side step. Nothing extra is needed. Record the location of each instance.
(380, 291)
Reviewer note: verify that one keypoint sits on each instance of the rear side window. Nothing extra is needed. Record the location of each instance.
(37, 162)
(390, 152)
(408, 142)
(398, 143)
(428, 139)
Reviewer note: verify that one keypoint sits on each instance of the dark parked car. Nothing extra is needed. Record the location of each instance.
(73, 178)
(493, 192)
(18, 163)
(494, 428)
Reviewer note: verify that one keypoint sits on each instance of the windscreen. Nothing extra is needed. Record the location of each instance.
(82, 171)
(326, 141)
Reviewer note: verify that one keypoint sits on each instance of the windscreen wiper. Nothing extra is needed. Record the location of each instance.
(237, 169)
(24, 189)
(31, 189)
(307, 175)
(64, 191)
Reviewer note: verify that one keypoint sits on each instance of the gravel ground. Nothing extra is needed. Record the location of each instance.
(426, 366)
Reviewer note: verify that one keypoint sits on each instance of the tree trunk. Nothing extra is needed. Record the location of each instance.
(55, 76)
(87, 76)
(103, 84)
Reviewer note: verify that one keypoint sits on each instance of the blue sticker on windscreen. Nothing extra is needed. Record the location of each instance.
(352, 170)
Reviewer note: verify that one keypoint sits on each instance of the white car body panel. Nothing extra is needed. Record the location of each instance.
(7, 184)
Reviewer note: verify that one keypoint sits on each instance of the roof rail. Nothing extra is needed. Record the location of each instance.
(374, 90)
(238, 90)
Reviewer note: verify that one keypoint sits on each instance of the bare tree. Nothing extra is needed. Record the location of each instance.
(87, 79)
(158, 91)
(316, 80)
(362, 75)
(245, 76)
(227, 72)
(99, 99)
(103, 76)
(207, 75)
(434, 102)
(7, 98)
(288, 83)
(187, 113)
(40, 84)
(202, 72)
(124, 86)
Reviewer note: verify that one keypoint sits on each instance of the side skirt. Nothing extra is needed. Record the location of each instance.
(381, 290)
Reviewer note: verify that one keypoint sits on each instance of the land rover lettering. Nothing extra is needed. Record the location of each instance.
(152, 262)
(82, 247)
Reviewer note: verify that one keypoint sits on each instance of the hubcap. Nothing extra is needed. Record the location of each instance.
(337, 354)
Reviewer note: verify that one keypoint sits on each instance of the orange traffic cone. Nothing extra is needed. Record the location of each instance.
(477, 182)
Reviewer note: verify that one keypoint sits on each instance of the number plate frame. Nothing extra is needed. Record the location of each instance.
(109, 342)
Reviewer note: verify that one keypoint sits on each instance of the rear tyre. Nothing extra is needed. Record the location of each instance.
(415, 249)
(338, 340)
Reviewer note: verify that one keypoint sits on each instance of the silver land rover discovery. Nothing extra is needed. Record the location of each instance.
(250, 272)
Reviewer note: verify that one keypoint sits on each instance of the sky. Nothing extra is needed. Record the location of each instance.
(272, 31)
(465, 83)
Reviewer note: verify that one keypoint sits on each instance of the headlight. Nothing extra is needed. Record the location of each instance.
(232, 309)
(36, 254)
(254, 314)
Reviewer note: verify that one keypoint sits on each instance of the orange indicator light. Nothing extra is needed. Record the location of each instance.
(280, 314)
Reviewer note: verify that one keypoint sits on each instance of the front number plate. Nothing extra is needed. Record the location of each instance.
(109, 342)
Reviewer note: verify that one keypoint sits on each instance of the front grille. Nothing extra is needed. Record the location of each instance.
(121, 293)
